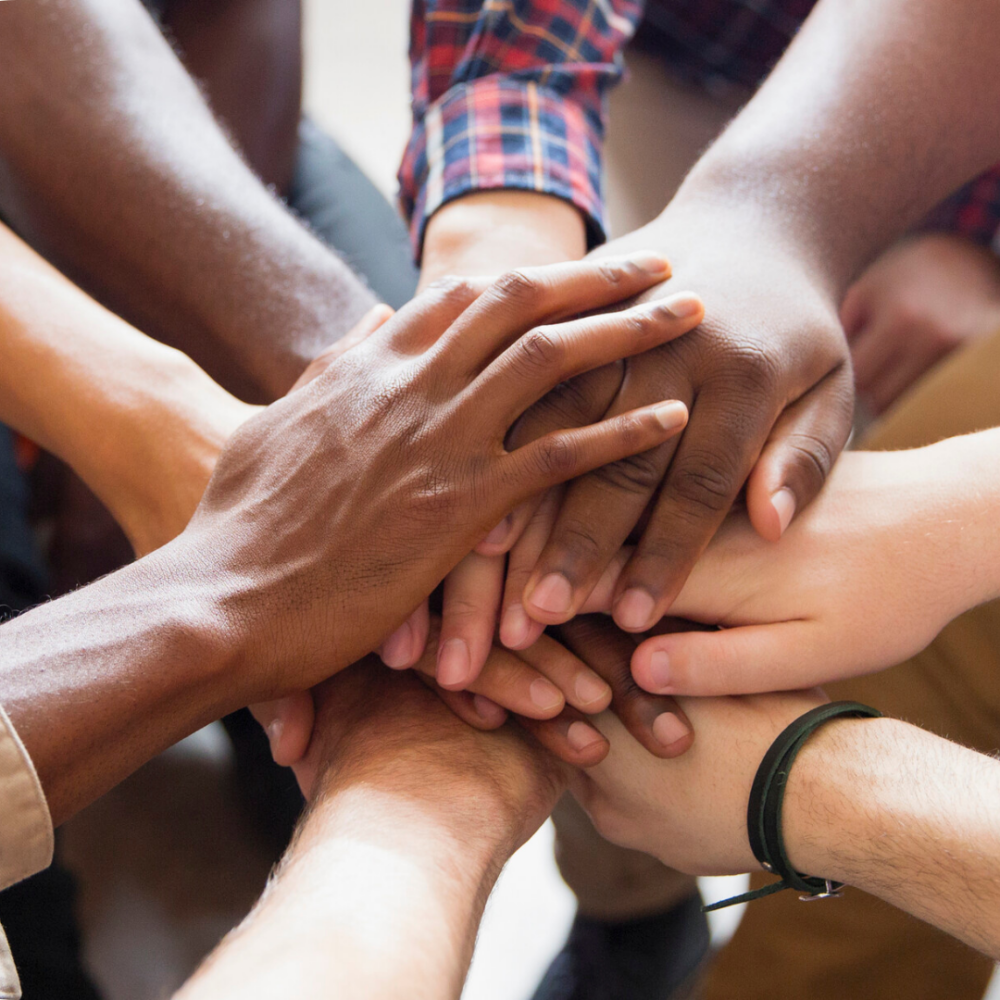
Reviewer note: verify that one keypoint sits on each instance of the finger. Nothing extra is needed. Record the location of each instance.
(658, 723)
(799, 454)
(517, 629)
(511, 683)
(582, 687)
(288, 723)
(470, 607)
(909, 366)
(473, 709)
(407, 644)
(426, 317)
(751, 659)
(570, 737)
(367, 325)
(711, 464)
(574, 403)
(519, 300)
(854, 310)
(549, 355)
(564, 455)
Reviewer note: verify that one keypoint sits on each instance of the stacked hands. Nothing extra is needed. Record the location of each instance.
(490, 395)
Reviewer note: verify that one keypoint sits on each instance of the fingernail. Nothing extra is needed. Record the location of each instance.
(683, 305)
(635, 610)
(783, 502)
(589, 689)
(274, 730)
(514, 627)
(488, 711)
(499, 534)
(659, 669)
(671, 416)
(652, 263)
(397, 650)
(454, 664)
(580, 735)
(553, 594)
(668, 729)
(545, 694)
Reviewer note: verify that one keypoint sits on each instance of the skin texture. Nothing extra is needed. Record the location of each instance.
(906, 538)
(916, 304)
(315, 532)
(879, 804)
(151, 208)
(369, 901)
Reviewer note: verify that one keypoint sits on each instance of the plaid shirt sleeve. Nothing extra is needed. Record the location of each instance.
(511, 94)
(972, 212)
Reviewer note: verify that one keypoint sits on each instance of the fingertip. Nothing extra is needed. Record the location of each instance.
(672, 733)
(653, 667)
(784, 504)
(489, 712)
(590, 746)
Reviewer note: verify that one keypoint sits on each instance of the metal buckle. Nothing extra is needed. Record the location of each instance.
(829, 893)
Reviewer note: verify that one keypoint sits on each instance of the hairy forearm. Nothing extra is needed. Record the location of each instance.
(113, 165)
(379, 897)
(138, 421)
(492, 231)
(878, 110)
(905, 815)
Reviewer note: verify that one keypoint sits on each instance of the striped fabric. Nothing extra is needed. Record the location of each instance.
(511, 94)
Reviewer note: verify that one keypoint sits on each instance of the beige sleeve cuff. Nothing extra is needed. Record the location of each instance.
(26, 835)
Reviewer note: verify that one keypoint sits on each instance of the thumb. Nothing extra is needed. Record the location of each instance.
(288, 723)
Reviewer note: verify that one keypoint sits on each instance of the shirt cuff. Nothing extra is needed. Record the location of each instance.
(26, 835)
(500, 132)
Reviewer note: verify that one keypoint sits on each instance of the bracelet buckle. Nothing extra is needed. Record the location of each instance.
(832, 891)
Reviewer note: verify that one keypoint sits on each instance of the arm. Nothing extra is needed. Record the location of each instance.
(138, 421)
(150, 206)
(381, 893)
(879, 804)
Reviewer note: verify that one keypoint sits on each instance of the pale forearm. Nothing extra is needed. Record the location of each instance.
(138, 421)
(150, 207)
(864, 125)
(905, 815)
(492, 231)
(380, 897)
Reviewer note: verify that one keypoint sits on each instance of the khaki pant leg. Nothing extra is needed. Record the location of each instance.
(858, 947)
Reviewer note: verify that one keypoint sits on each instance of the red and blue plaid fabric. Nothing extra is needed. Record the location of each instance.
(511, 93)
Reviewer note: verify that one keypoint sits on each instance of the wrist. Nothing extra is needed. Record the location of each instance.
(489, 232)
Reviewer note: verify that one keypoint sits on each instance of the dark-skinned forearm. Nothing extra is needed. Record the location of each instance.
(878, 110)
(113, 165)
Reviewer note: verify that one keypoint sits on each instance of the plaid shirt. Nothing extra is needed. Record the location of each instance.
(511, 93)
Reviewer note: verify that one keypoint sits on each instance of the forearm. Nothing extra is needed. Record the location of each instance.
(864, 125)
(905, 815)
(492, 231)
(379, 897)
(100, 681)
(150, 206)
(138, 421)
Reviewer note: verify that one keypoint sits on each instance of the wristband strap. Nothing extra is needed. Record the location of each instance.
(767, 798)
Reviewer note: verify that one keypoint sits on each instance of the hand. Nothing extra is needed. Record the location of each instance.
(373, 723)
(896, 545)
(334, 513)
(917, 303)
(689, 812)
(768, 379)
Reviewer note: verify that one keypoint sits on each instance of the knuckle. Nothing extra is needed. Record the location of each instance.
(520, 285)
(750, 369)
(577, 539)
(636, 474)
(813, 458)
(557, 457)
(614, 272)
(452, 288)
(540, 349)
(703, 488)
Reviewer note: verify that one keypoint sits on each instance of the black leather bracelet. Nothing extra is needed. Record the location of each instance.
(767, 798)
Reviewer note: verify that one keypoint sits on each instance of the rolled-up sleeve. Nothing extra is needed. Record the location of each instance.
(26, 836)
(510, 94)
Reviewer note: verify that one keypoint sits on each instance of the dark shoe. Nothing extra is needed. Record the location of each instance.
(646, 959)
